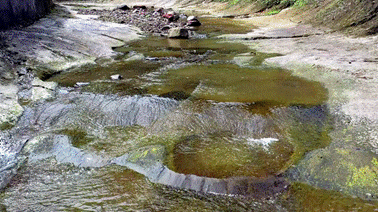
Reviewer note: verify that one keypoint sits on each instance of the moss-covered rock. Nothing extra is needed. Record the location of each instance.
(10, 109)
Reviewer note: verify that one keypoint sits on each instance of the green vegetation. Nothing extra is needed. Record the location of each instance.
(350, 16)
(267, 4)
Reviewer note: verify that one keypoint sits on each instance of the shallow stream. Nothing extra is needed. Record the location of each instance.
(193, 125)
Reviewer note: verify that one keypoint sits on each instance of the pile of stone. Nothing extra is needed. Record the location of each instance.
(149, 19)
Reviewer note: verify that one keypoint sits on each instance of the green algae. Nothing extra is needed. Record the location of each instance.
(352, 171)
(366, 176)
(231, 83)
(306, 137)
(302, 197)
(221, 157)
(79, 138)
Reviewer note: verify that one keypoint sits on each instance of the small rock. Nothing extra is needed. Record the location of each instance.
(123, 7)
(183, 17)
(166, 27)
(140, 7)
(116, 77)
(191, 18)
(171, 16)
(178, 33)
(193, 21)
(81, 84)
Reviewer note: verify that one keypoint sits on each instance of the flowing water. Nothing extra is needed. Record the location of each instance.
(193, 125)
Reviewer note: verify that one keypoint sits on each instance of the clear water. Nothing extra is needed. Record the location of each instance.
(216, 120)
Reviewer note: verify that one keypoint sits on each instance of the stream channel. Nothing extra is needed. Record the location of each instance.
(193, 125)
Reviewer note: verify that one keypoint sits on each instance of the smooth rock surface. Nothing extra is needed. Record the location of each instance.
(10, 109)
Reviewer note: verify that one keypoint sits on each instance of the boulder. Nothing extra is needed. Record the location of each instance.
(123, 7)
(193, 21)
(42, 90)
(178, 33)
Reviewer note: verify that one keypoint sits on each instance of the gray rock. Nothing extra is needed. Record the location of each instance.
(178, 33)
(123, 7)
(193, 21)
(10, 109)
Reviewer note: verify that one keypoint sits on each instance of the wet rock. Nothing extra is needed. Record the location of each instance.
(178, 33)
(43, 90)
(11, 143)
(147, 161)
(355, 172)
(60, 147)
(193, 21)
(10, 109)
(92, 110)
(79, 42)
(123, 7)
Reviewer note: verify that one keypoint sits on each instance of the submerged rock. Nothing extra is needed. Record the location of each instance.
(147, 161)
(60, 147)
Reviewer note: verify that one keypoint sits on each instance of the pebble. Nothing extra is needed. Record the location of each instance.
(116, 77)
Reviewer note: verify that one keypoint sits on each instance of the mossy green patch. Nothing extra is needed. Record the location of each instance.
(231, 83)
(366, 176)
(302, 197)
(219, 157)
(78, 137)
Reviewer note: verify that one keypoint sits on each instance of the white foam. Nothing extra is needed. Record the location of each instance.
(265, 142)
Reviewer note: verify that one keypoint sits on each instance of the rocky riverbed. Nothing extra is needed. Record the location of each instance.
(148, 19)
(177, 110)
